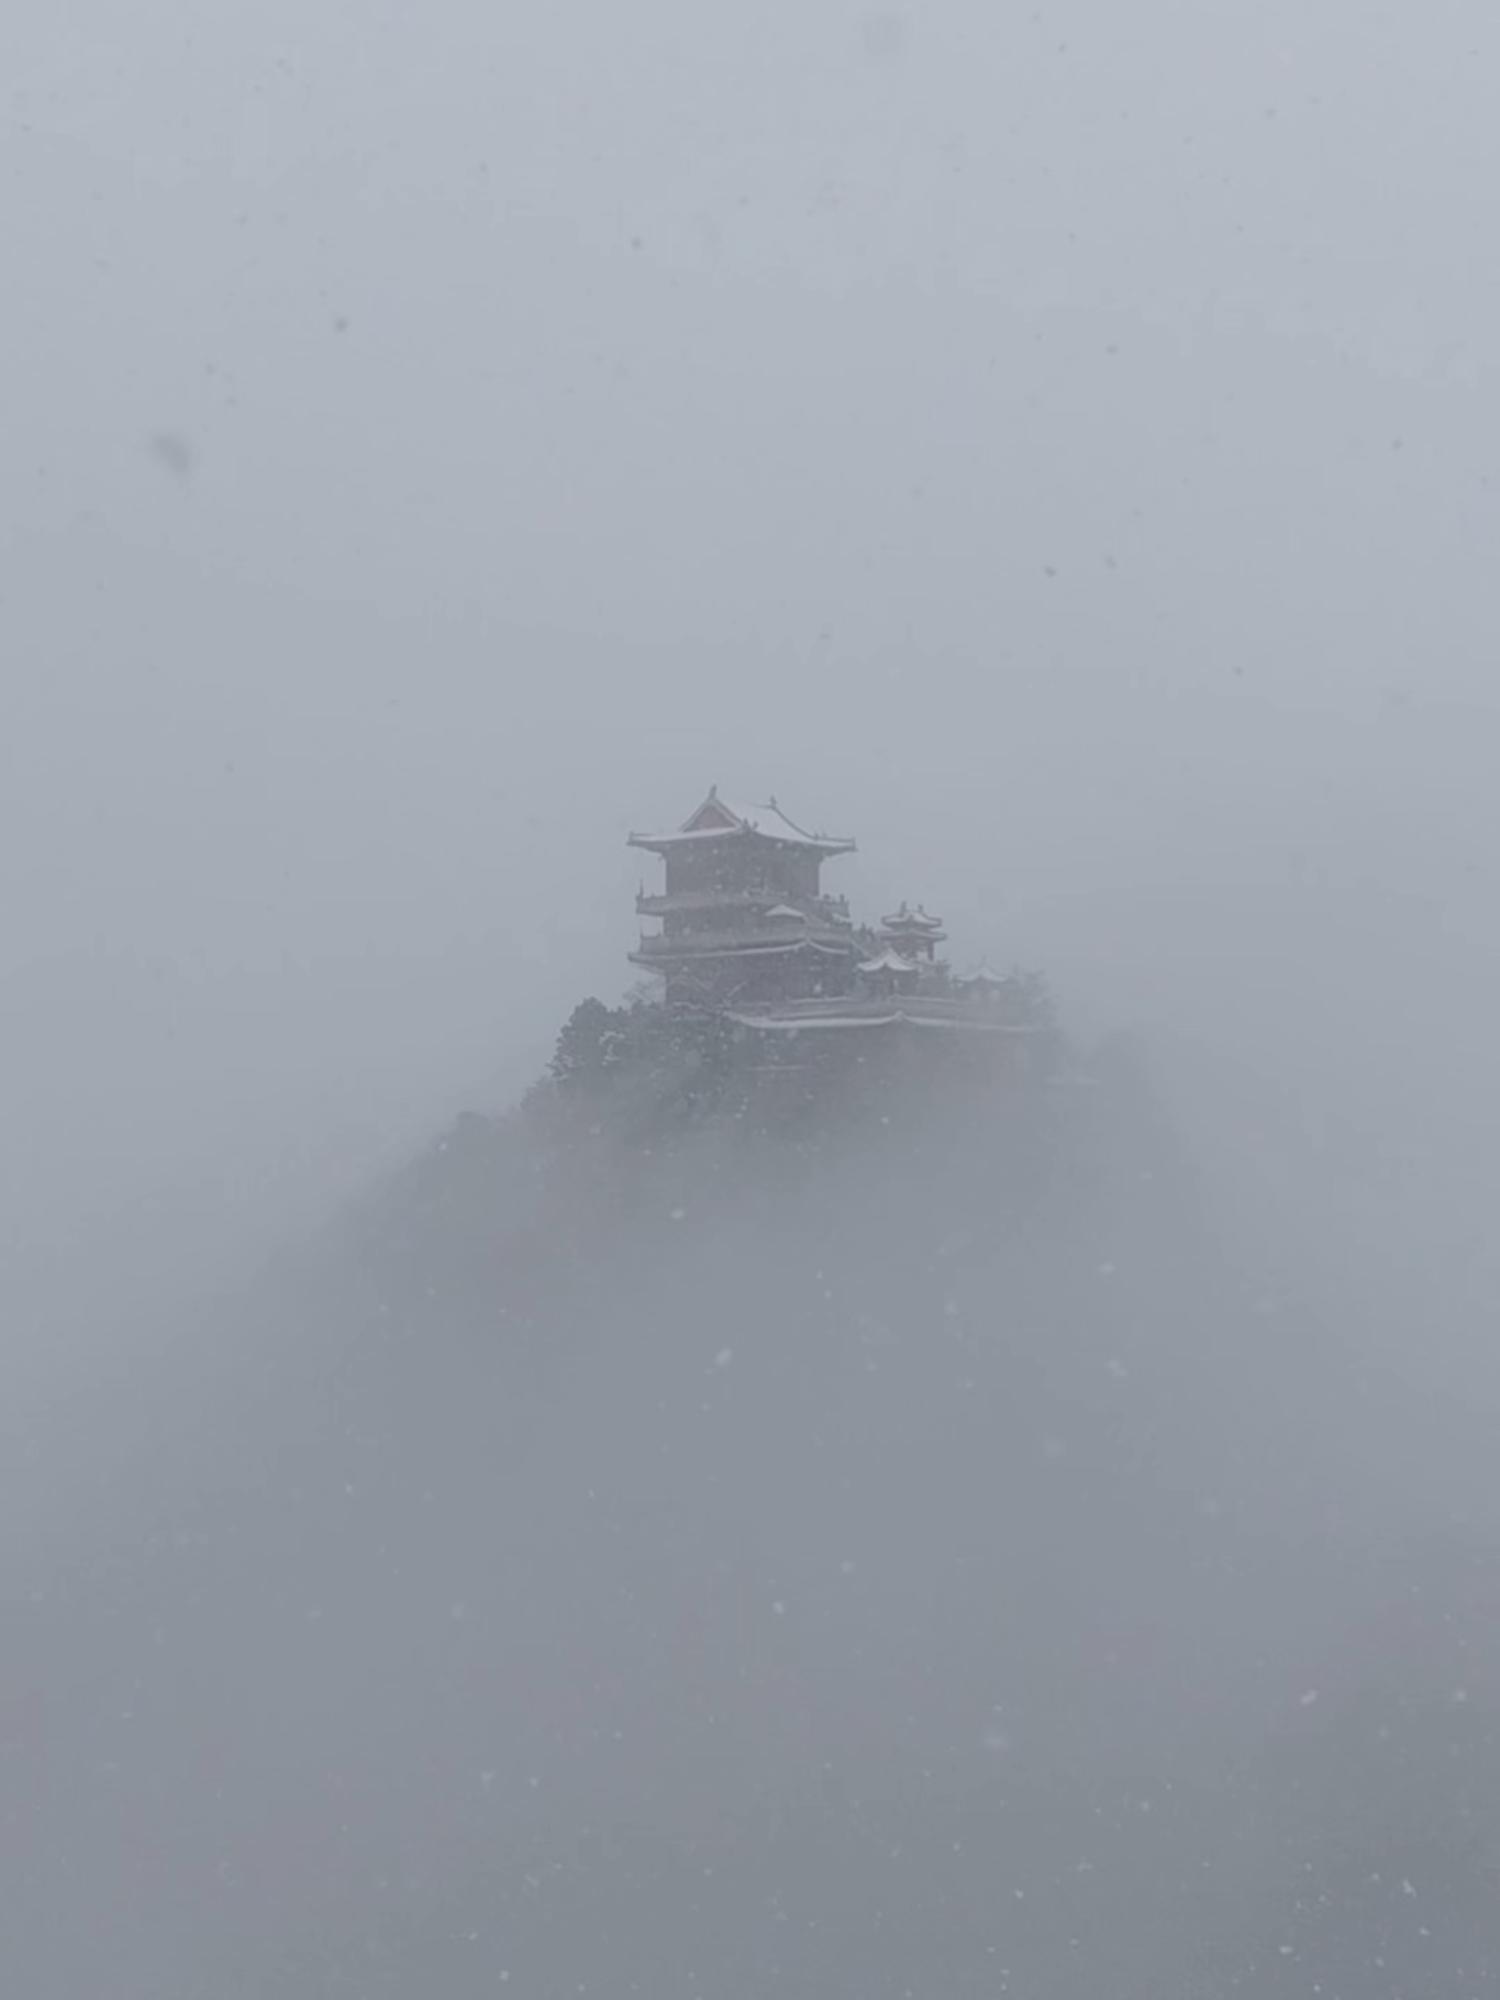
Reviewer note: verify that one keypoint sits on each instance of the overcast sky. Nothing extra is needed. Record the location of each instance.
(1055, 444)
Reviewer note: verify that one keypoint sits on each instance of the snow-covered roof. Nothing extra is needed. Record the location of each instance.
(786, 910)
(802, 1016)
(911, 920)
(888, 961)
(669, 951)
(719, 819)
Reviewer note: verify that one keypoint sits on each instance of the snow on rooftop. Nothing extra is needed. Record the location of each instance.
(797, 1018)
(888, 961)
(768, 819)
(719, 818)
(911, 920)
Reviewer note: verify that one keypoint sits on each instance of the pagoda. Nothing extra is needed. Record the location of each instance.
(912, 935)
(744, 921)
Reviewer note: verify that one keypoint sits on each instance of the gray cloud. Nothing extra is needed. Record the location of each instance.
(1055, 446)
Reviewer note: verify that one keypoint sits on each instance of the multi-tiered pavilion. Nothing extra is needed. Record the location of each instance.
(744, 921)
(746, 931)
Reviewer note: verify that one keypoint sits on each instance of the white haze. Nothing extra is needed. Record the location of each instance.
(1058, 451)
(1056, 445)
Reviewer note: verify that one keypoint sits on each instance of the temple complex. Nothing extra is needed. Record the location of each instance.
(747, 932)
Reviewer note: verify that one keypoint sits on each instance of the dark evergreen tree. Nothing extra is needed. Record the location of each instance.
(591, 1046)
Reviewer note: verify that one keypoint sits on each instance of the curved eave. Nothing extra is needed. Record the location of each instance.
(664, 843)
(762, 948)
(891, 1017)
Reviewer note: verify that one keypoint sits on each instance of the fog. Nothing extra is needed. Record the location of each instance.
(1055, 448)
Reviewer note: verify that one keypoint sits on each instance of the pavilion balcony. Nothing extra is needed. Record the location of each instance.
(688, 902)
(753, 938)
(692, 902)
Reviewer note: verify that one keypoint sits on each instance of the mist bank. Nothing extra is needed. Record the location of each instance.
(950, 1542)
(224, 1003)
